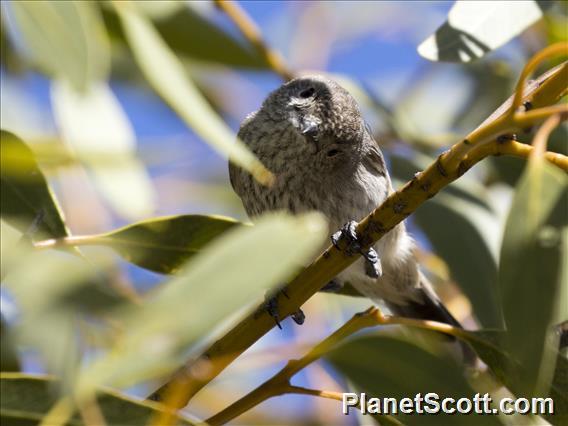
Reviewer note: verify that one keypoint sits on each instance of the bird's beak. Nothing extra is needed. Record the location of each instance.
(309, 127)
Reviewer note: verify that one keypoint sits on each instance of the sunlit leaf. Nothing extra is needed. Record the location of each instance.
(93, 122)
(66, 39)
(476, 28)
(52, 290)
(384, 366)
(27, 398)
(227, 276)
(464, 232)
(162, 244)
(530, 269)
(24, 191)
(166, 75)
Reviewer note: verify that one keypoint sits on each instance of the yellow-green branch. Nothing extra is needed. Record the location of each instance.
(543, 92)
(252, 33)
(280, 383)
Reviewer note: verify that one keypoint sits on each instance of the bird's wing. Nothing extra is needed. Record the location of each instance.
(373, 159)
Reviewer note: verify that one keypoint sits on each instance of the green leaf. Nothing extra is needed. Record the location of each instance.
(9, 360)
(227, 276)
(487, 344)
(24, 191)
(464, 232)
(93, 125)
(384, 366)
(189, 33)
(66, 39)
(475, 28)
(164, 244)
(166, 75)
(27, 398)
(53, 291)
(530, 269)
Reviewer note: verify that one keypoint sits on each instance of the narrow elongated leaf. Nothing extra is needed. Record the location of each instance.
(64, 38)
(163, 244)
(476, 28)
(510, 372)
(92, 124)
(384, 366)
(189, 33)
(27, 398)
(530, 269)
(230, 274)
(24, 191)
(166, 75)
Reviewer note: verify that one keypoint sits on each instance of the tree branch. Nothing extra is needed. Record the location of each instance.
(280, 383)
(545, 91)
(252, 33)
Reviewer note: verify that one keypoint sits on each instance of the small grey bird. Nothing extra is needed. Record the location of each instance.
(310, 133)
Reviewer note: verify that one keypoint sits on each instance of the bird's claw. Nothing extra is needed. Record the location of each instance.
(271, 307)
(348, 233)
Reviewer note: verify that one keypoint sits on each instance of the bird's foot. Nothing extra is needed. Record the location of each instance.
(348, 233)
(271, 307)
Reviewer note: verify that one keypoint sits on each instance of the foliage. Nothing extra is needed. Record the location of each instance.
(494, 239)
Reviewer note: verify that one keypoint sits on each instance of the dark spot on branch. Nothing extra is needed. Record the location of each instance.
(441, 168)
(426, 186)
(463, 167)
(326, 254)
(528, 105)
(466, 142)
(507, 137)
(399, 207)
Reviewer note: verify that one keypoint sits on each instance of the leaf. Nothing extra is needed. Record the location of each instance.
(164, 244)
(93, 124)
(65, 39)
(227, 276)
(189, 33)
(464, 232)
(9, 360)
(24, 191)
(166, 75)
(384, 366)
(27, 398)
(53, 290)
(487, 344)
(475, 28)
(530, 269)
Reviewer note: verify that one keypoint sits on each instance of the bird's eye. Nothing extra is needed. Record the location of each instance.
(308, 93)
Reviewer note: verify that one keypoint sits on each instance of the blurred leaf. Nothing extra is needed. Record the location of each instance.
(187, 32)
(166, 75)
(384, 366)
(465, 233)
(530, 266)
(54, 291)
(24, 191)
(27, 398)
(164, 244)
(93, 122)
(475, 28)
(66, 39)
(487, 344)
(8, 355)
(228, 275)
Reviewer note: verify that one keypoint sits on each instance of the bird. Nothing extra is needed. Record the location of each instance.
(311, 134)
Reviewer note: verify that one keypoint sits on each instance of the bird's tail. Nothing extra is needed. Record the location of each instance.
(428, 306)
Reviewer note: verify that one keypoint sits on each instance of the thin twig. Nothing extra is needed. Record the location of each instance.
(252, 33)
(280, 383)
